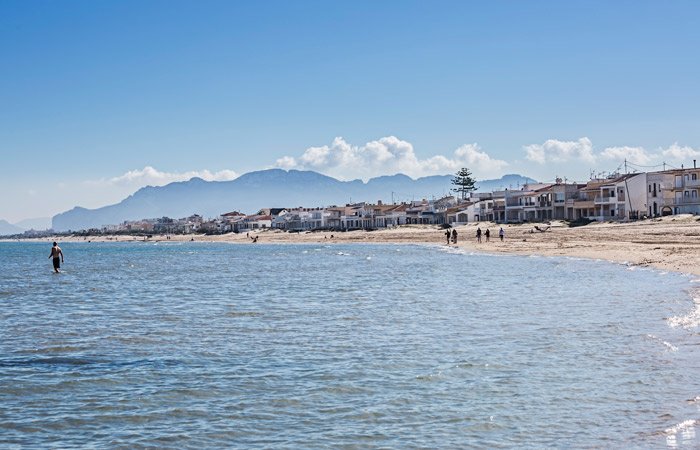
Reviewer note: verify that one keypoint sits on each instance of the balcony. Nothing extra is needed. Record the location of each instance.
(583, 204)
(687, 201)
(603, 200)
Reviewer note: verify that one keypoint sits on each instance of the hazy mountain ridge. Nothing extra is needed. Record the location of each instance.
(267, 188)
(36, 223)
(6, 228)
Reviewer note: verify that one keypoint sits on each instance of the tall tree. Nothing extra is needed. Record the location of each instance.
(465, 182)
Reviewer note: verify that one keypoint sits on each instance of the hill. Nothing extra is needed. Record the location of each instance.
(6, 228)
(266, 188)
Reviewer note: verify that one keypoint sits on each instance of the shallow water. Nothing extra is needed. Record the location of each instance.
(343, 346)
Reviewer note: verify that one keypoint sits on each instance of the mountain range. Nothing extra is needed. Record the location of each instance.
(39, 224)
(6, 228)
(266, 188)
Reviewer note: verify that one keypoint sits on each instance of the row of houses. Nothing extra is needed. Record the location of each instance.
(349, 217)
(165, 225)
(618, 197)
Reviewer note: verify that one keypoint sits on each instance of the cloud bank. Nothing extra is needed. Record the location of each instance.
(389, 155)
(678, 153)
(560, 151)
(154, 177)
(582, 150)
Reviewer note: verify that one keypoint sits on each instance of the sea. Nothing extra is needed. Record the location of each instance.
(251, 346)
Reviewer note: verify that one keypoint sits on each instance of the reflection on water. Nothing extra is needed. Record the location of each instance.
(308, 346)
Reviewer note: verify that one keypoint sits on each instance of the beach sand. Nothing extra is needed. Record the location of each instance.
(671, 243)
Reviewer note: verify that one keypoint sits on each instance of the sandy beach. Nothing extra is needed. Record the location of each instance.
(670, 243)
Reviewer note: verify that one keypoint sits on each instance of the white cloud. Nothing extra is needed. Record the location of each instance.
(389, 155)
(560, 151)
(678, 153)
(635, 155)
(151, 176)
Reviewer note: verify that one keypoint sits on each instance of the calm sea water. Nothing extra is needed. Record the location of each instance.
(344, 346)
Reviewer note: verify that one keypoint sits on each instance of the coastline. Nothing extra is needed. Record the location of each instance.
(670, 243)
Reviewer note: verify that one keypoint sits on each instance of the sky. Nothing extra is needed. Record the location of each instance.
(98, 99)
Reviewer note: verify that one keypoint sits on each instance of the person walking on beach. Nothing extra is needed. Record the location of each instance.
(57, 255)
(447, 235)
(501, 234)
(478, 235)
(454, 236)
(487, 233)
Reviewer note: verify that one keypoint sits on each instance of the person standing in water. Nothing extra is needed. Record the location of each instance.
(57, 255)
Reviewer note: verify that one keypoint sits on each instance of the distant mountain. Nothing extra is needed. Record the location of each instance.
(267, 188)
(38, 223)
(6, 228)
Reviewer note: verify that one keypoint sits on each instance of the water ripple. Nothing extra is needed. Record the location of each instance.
(341, 346)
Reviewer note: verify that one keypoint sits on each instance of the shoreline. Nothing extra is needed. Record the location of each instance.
(671, 243)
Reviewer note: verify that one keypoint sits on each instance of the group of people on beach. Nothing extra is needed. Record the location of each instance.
(452, 236)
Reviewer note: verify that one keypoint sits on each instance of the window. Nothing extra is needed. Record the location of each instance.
(694, 194)
(694, 176)
(686, 194)
(650, 188)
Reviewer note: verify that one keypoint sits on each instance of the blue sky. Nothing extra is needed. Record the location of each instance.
(100, 98)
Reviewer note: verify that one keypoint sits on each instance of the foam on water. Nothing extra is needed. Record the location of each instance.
(686, 430)
(668, 345)
(689, 320)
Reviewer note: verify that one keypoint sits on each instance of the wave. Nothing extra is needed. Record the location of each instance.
(690, 320)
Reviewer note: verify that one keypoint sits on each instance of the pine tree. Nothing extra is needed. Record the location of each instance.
(465, 182)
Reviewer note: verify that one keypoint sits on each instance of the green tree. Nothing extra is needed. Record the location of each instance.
(465, 182)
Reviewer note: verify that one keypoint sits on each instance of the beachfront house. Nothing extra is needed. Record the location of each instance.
(255, 222)
(686, 193)
(675, 191)
(424, 213)
(618, 197)
(459, 215)
(521, 205)
(301, 219)
(231, 221)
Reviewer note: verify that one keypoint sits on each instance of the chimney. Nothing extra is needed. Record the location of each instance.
(694, 166)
